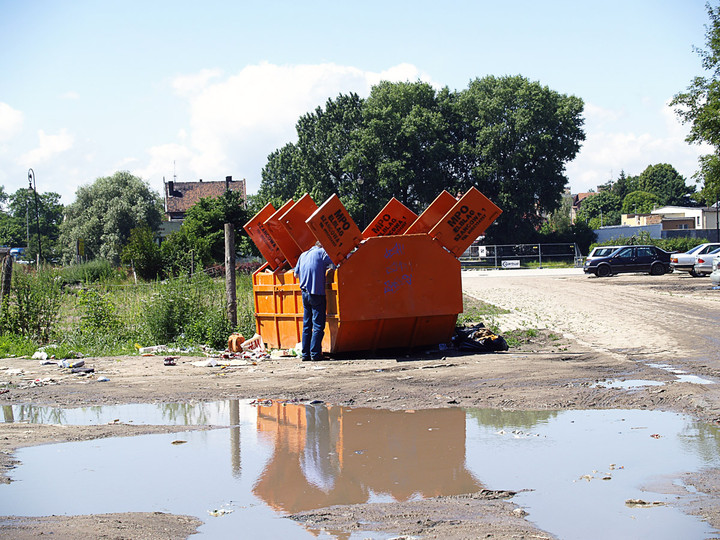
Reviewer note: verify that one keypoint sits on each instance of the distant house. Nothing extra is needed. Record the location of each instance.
(577, 201)
(181, 196)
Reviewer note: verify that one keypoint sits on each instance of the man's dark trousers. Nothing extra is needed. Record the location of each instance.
(313, 325)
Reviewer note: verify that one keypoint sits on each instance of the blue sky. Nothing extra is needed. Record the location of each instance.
(209, 89)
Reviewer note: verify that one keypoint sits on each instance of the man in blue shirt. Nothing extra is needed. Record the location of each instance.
(310, 270)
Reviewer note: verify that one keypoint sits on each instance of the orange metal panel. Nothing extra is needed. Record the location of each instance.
(465, 221)
(264, 241)
(287, 245)
(395, 218)
(335, 229)
(399, 276)
(432, 214)
(294, 222)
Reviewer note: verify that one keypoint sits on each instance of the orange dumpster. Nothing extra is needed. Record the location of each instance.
(396, 284)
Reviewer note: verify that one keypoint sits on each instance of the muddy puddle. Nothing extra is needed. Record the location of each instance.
(265, 461)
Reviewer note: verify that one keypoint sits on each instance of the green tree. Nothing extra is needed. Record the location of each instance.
(206, 220)
(698, 106)
(516, 137)
(624, 185)
(323, 162)
(600, 210)
(402, 147)
(639, 202)
(22, 218)
(105, 212)
(663, 181)
(508, 136)
(143, 253)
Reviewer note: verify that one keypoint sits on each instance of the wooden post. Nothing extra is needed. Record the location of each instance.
(5, 280)
(230, 274)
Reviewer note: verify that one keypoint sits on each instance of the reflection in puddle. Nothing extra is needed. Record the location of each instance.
(282, 458)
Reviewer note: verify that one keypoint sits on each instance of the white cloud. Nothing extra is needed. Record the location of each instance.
(610, 148)
(49, 146)
(70, 95)
(187, 85)
(237, 121)
(11, 121)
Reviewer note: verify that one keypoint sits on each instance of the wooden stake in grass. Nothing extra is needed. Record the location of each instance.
(231, 300)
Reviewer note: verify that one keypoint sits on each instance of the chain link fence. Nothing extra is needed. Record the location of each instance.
(521, 255)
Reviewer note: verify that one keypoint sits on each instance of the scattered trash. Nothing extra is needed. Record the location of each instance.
(235, 342)
(40, 355)
(220, 512)
(639, 503)
(179, 441)
(210, 362)
(84, 370)
(254, 343)
(171, 360)
(71, 363)
(153, 349)
(478, 339)
(655, 435)
(102, 379)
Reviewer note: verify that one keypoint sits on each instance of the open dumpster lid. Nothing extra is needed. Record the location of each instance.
(432, 214)
(335, 229)
(395, 218)
(465, 221)
(289, 248)
(294, 222)
(258, 233)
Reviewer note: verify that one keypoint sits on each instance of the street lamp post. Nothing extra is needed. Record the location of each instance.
(362, 197)
(33, 187)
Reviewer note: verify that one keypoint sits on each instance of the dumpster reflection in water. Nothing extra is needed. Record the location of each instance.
(334, 455)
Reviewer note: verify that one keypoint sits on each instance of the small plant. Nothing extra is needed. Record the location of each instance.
(98, 312)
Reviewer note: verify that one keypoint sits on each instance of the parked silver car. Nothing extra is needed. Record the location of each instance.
(685, 262)
(704, 263)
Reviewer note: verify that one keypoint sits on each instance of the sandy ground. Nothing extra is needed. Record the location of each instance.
(592, 330)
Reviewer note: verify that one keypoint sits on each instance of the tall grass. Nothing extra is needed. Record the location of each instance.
(90, 311)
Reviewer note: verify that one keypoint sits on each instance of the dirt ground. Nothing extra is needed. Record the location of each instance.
(591, 329)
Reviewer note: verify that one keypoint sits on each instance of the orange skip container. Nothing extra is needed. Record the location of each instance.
(387, 291)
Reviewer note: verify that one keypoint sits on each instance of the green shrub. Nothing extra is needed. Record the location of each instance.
(16, 345)
(33, 305)
(95, 271)
(97, 312)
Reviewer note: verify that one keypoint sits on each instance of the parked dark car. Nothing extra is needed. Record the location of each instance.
(625, 259)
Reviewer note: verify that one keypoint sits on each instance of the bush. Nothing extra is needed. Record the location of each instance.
(32, 307)
(98, 313)
(95, 271)
(188, 310)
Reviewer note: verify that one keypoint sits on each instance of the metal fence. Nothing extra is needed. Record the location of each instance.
(521, 255)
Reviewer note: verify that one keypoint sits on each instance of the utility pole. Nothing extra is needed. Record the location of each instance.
(230, 294)
(33, 187)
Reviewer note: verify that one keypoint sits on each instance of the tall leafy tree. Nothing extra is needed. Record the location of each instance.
(668, 185)
(520, 135)
(20, 223)
(698, 106)
(105, 212)
(201, 239)
(402, 147)
(508, 136)
(639, 202)
(600, 210)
